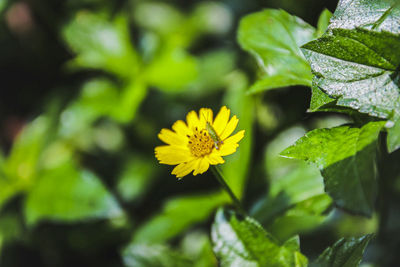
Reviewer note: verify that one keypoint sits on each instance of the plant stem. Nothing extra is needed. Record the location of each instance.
(220, 178)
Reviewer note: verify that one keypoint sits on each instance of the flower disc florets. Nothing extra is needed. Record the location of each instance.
(200, 143)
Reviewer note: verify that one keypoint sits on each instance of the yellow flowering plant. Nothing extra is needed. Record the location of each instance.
(200, 142)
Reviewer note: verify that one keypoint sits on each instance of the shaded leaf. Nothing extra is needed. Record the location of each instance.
(101, 44)
(100, 98)
(393, 136)
(236, 166)
(323, 21)
(197, 246)
(18, 171)
(177, 215)
(213, 69)
(212, 17)
(143, 255)
(346, 157)
(131, 96)
(301, 218)
(321, 102)
(278, 80)
(21, 164)
(273, 37)
(302, 184)
(9, 189)
(3, 5)
(10, 229)
(243, 242)
(137, 174)
(296, 191)
(347, 252)
(172, 70)
(319, 99)
(180, 28)
(195, 250)
(159, 17)
(275, 165)
(66, 194)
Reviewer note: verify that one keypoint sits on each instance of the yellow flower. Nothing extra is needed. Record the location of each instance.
(194, 146)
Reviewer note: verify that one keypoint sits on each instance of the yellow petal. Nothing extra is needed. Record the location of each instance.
(230, 127)
(227, 149)
(172, 138)
(202, 166)
(172, 155)
(192, 120)
(221, 120)
(206, 115)
(230, 144)
(215, 158)
(234, 138)
(181, 128)
(184, 168)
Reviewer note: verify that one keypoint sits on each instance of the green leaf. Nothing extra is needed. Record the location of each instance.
(275, 165)
(22, 162)
(137, 174)
(293, 244)
(172, 70)
(177, 215)
(243, 242)
(302, 217)
(9, 189)
(213, 69)
(178, 27)
(346, 157)
(143, 255)
(278, 80)
(319, 99)
(158, 17)
(3, 5)
(297, 180)
(66, 194)
(212, 18)
(296, 191)
(101, 44)
(393, 136)
(347, 252)
(321, 102)
(273, 37)
(323, 21)
(195, 250)
(236, 166)
(18, 171)
(355, 61)
(98, 98)
(131, 95)
(10, 229)
(197, 246)
(302, 184)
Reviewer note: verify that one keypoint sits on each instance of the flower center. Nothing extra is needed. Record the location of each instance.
(200, 143)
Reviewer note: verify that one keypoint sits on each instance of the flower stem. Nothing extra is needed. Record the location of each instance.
(220, 178)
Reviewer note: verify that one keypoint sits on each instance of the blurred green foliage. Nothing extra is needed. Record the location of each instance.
(87, 86)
